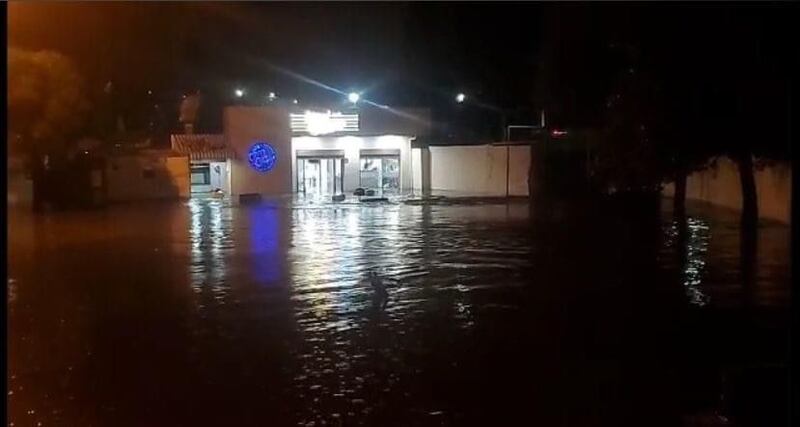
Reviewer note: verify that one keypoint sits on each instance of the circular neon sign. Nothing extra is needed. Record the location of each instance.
(262, 157)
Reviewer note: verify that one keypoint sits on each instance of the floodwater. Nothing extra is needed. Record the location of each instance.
(206, 314)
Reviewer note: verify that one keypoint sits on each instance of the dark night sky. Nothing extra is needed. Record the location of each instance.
(415, 54)
(398, 53)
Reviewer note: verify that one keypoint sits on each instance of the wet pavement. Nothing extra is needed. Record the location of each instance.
(206, 314)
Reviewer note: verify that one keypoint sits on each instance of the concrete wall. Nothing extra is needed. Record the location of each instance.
(351, 146)
(720, 185)
(147, 176)
(247, 125)
(416, 170)
(480, 170)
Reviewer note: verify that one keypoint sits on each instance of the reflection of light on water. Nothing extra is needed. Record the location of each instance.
(264, 242)
(697, 236)
(328, 257)
(208, 245)
(463, 307)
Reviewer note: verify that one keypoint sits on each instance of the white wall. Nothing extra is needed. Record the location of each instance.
(480, 170)
(351, 146)
(247, 125)
(519, 161)
(416, 170)
(126, 180)
(720, 185)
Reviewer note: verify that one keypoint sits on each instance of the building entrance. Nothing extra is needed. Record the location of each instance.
(320, 173)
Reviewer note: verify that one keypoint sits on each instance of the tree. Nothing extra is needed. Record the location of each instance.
(631, 141)
(747, 100)
(47, 107)
(46, 100)
(189, 111)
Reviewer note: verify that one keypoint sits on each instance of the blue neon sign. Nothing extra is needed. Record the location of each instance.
(262, 157)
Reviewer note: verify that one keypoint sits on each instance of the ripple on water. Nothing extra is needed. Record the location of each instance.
(275, 302)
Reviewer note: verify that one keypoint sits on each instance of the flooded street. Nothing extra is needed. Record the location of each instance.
(206, 314)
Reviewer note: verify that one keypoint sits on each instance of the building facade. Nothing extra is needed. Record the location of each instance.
(272, 151)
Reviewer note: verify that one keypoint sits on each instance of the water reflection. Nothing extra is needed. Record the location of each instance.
(210, 239)
(495, 317)
(265, 231)
(689, 237)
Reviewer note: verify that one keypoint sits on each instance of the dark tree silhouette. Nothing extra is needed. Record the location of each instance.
(47, 107)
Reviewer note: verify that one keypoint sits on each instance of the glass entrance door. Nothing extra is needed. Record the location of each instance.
(320, 176)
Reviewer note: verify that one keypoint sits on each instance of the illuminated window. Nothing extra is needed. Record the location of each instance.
(380, 170)
(201, 175)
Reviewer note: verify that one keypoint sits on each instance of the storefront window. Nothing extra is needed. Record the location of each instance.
(201, 175)
(380, 173)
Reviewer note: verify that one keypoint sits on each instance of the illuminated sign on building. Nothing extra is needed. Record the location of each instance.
(319, 123)
(262, 157)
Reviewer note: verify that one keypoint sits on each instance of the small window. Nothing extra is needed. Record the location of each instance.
(201, 175)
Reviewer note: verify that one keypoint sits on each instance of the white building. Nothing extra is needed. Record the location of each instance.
(271, 151)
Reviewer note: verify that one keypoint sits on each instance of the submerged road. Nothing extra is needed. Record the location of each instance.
(201, 313)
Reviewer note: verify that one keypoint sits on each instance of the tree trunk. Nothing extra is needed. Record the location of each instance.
(679, 201)
(749, 196)
(749, 226)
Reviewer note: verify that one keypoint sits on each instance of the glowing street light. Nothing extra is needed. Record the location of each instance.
(239, 93)
(461, 98)
(353, 97)
(272, 96)
(294, 101)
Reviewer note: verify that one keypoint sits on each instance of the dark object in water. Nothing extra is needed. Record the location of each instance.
(381, 296)
(358, 192)
(337, 197)
(250, 198)
(370, 192)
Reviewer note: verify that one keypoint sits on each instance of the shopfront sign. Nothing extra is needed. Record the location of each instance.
(323, 123)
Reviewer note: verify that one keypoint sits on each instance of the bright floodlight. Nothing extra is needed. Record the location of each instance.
(294, 101)
(239, 93)
(460, 98)
(272, 96)
(353, 97)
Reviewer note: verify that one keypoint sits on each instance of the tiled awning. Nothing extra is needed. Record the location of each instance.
(202, 147)
(221, 154)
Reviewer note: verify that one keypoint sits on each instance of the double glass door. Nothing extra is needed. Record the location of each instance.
(320, 176)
